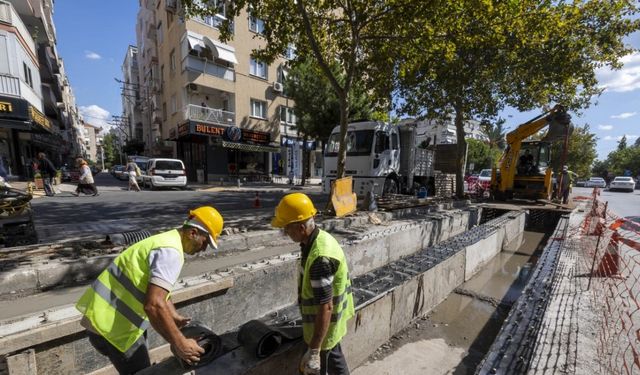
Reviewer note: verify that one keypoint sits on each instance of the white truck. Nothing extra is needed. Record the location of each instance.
(383, 158)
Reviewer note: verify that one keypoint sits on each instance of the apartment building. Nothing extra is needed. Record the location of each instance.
(210, 103)
(131, 97)
(91, 137)
(37, 107)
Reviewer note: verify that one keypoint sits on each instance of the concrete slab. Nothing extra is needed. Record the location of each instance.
(405, 301)
(478, 254)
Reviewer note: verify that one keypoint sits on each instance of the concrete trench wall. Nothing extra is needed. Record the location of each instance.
(270, 285)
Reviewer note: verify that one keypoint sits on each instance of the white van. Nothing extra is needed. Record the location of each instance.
(165, 173)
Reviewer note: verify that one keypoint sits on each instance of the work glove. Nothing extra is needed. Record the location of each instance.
(310, 364)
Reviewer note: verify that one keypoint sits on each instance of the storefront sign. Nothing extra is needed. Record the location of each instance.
(229, 133)
(38, 118)
(14, 108)
(289, 142)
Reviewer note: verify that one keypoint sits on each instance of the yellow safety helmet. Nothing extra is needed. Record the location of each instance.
(292, 208)
(208, 219)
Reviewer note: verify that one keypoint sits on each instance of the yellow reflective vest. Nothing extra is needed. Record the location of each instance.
(343, 309)
(114, 304)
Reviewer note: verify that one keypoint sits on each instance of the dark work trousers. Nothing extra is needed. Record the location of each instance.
(332, 362)
(48, 186)
(138, 360)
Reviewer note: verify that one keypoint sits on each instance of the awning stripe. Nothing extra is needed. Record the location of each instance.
(248, 147)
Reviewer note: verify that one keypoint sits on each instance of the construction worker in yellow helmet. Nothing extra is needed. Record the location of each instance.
(134, 292)
(324, 288)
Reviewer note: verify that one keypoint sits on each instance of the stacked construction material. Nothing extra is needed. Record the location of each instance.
(445, 184)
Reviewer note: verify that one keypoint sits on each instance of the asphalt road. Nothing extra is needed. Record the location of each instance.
(117, 210)
(621, 203)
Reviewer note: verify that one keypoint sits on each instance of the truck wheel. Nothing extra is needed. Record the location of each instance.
(390, 187)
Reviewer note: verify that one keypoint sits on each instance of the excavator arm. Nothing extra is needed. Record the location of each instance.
(557, 119)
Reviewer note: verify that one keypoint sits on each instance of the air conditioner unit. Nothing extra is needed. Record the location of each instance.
(278, 87)
(192, 87)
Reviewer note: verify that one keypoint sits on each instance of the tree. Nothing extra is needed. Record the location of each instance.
(525, 54)
(329, 31)
(110, 144)
(581, 152)
(481, 154)
(317, 107)
(495, 133)
(622, 144)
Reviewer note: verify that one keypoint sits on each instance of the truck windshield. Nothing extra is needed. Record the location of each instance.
(358, 143)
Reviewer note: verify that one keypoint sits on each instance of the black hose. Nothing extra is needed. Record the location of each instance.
(127, 238)
(206, 339)
(259, 338)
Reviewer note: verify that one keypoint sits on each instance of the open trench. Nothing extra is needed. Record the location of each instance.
(455, 336)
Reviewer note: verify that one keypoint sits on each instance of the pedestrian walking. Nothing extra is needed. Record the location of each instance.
(48, 172)
(134, 292)
(324, 286)
(567, 180)
(86, 184)
(133, 170)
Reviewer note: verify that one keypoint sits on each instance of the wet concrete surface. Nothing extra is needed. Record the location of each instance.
(467, 321)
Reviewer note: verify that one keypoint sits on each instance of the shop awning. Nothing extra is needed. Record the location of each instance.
(249, 147)
(222, 51)
(194, 42)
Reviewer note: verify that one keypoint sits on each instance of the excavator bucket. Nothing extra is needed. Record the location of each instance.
(342, 196)
(559, 126)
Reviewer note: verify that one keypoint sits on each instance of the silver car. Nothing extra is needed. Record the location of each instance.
(596, 182)
(622, 183)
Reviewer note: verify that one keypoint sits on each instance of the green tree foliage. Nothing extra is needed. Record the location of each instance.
(581, 152)
(485, 55)
(347, 32)
(495, 132)
(619, 161)
(481, 154)
(110, 144)
(622, 144)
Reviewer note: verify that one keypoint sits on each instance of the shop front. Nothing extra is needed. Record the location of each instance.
(212, 152)
(291, 160)
(20, 122)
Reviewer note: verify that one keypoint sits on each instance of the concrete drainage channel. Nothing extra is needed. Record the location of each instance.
(401, 273)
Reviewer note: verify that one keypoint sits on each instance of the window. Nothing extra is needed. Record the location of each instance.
(382, 142)
(290, 53)
(258, 68)
(174, 104)
(256, 25)
(27, 74)
(358, 143)
(258, 109)
(172, 61)
(287, 115)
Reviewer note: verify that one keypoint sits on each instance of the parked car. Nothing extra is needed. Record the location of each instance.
(165, 173)
(581, 183)
(118, 170)
(596, 182)
(141, 161)
(623, 183)
(65, 174)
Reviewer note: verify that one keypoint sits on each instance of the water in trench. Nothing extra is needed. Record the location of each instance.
(456, 335)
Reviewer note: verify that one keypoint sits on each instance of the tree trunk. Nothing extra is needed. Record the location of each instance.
(344, 118)
(461, 149)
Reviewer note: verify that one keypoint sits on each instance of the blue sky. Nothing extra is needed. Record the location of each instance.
(93, 36)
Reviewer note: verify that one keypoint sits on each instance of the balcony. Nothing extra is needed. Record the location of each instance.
(210, 115)
(194, 64)
(9, 85)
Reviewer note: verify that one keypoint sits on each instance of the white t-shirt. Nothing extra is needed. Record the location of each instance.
(165, 264)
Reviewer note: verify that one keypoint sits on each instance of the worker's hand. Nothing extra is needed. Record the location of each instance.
(310, 364)
(180, 320)
(189, 351)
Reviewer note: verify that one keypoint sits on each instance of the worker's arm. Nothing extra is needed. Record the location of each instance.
(160, 313)
(180, 320)
(321, 325)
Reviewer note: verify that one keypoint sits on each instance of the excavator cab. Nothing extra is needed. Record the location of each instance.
(531, 171)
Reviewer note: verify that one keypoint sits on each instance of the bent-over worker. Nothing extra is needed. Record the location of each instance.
(133, 293)
(324, 287)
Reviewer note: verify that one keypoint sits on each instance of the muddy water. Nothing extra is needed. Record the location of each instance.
(455, 336)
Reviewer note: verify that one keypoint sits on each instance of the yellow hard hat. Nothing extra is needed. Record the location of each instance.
(208, 219)
(292, 208)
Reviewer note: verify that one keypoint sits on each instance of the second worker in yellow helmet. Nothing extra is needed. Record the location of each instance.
(133, 293)
(324, 287)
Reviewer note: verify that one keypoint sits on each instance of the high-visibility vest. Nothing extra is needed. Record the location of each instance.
(327, 246)
(114, 304)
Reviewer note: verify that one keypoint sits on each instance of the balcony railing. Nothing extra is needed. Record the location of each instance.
(9, 85)
(195, 64)
(210, 115)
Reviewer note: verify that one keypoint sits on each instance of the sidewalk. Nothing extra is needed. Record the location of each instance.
(312, 185)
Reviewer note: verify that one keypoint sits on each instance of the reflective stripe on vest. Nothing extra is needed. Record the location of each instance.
(114, 304)
(326, 246)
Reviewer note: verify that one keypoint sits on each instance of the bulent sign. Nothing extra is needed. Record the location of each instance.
(233, 133)
(209, 130)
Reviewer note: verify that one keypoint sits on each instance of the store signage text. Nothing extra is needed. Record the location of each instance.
(6, 107)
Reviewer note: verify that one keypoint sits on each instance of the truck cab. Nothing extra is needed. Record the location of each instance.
(373, 157)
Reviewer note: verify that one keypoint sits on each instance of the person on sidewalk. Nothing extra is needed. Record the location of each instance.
(48, 172)
(86, 183)
(133, 170)
(133, 293)
(324, 288)
(567, 180)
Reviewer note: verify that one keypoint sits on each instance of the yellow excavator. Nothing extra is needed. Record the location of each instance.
(524, 169)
